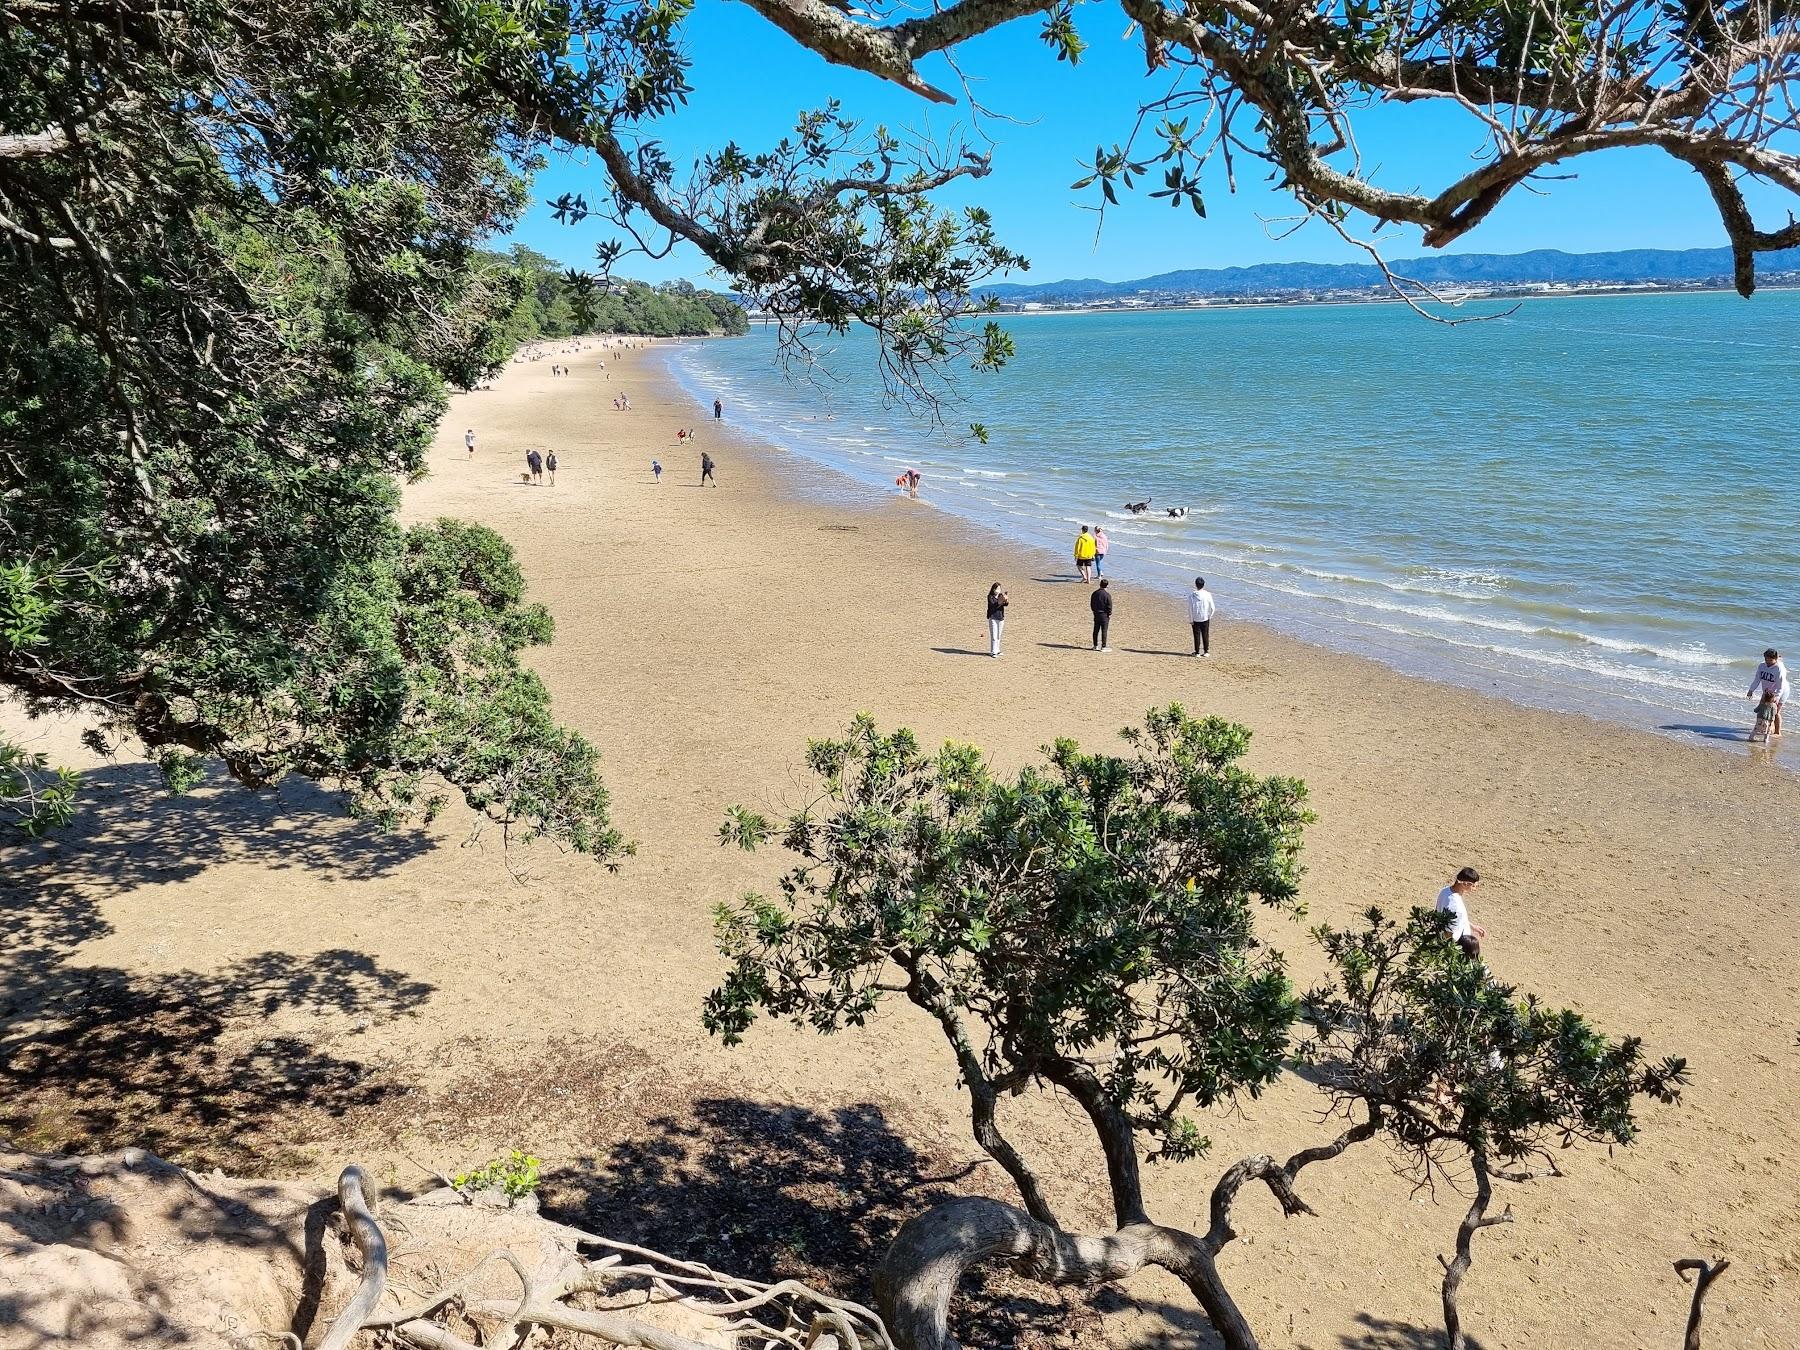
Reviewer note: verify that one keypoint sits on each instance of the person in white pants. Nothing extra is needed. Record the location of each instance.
(1200, 612)
(996, 617)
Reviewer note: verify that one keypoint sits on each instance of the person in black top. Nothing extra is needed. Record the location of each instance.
(706, 470)
(718, 410)
(996, 617)
(1101, 603)
(535, 463)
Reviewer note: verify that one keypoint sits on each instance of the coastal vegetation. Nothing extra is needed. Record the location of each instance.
(241, 267)
(558, 302)
(1090, 927)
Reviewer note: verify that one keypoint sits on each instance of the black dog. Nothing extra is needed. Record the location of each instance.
(1138, 508)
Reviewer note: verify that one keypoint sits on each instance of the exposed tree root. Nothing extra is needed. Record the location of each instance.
(732, 1309)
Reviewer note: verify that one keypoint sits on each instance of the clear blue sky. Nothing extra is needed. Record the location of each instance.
(750, 80)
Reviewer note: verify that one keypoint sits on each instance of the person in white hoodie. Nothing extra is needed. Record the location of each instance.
(1200, 613)
(1771, 680)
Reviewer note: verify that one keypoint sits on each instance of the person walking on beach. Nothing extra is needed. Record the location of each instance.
(1453, 900)
(1101, 603)
(1770, 684)
(996, 617)
(718, 410)
(469, 440)
(706, 470)
(1084, 554)
(534, 463)
(1100, 547)
(1200, 613)
(550, 464)
(656, 470)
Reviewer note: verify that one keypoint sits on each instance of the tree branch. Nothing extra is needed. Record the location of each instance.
(1704, 1275)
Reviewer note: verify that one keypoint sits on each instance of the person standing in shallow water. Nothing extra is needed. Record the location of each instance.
(1101, 603)
(718, 410)
(1201, 608)
(996, 617)
(1100, 546)
(1771, 682)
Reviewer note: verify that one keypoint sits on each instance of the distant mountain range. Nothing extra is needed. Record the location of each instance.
(1679, 267)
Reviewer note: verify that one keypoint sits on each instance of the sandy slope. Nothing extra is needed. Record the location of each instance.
(309, 989)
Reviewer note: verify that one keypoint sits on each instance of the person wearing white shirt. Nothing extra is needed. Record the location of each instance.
(1452, 900)
(1771, 679)
(1200, 613)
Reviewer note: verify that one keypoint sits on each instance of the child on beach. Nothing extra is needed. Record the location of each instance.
(656, 470)
(1766, 713)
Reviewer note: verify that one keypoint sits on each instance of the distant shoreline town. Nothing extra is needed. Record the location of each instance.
(1383, 296)
(1543, 273)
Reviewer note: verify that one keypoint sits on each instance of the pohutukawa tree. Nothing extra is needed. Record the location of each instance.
(1088, 926)
(236, 276)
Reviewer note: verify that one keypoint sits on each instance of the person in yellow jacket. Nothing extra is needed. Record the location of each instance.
(1084, 554)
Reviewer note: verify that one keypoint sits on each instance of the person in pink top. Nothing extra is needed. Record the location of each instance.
(1099, 550)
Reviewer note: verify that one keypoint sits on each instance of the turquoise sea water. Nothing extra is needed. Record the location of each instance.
(1588, 505)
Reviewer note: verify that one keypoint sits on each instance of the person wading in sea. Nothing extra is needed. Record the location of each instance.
(1101, 603)
(1100, 547)
(1771, 681)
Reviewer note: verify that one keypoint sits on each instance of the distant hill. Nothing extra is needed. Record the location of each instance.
(1547, 265)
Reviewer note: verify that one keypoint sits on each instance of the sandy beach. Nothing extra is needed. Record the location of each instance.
(256, 982)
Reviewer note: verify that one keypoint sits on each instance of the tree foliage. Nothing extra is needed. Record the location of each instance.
(558, 302)
(237, 272)
(1090, 926)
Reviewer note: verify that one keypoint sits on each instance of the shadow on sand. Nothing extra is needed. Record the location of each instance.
(1381, 1333)
(772, 1191)
(1714, 733)
(194, 1065)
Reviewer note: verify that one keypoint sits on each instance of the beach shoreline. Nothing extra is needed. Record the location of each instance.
(1422, 548)
(841, 488)
(703, 635)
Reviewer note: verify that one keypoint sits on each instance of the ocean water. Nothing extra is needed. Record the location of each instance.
(1589, 505)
